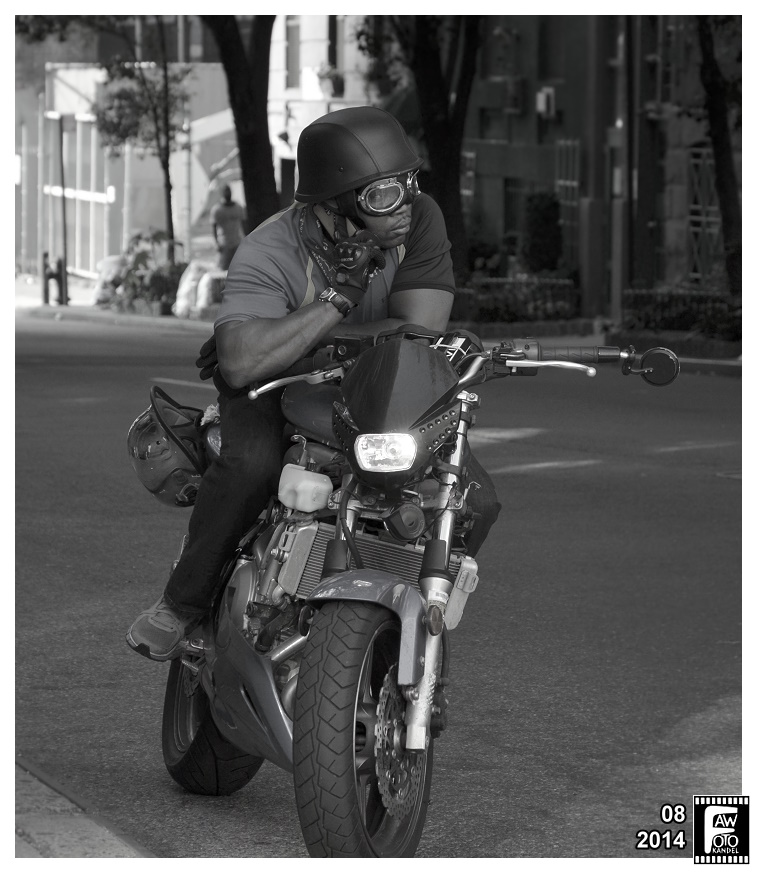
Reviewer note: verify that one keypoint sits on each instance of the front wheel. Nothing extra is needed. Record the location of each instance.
(359, 793)
(196, 755)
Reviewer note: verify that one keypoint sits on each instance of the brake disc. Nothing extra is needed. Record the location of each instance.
(398, 770)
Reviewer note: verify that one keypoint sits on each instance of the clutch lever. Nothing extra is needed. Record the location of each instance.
(314, 378)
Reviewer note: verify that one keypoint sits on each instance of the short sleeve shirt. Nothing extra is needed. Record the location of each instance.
(228, 218)
(274, 271)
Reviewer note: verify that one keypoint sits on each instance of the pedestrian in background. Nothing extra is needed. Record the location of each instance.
(227, 221)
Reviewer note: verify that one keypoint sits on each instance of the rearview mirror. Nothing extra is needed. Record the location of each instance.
(659, 367)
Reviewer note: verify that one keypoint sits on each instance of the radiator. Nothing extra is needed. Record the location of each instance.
(306, 550)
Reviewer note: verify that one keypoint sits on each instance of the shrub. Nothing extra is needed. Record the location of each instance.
(714, 315)
(149, 276)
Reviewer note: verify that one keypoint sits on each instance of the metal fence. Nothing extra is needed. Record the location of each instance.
(704, 240)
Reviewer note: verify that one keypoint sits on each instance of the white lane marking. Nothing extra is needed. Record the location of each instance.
(209, 385)
(689, 446)
(544, 465)
(484, 435)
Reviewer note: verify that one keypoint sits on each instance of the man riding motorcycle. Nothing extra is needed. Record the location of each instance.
(361, 251)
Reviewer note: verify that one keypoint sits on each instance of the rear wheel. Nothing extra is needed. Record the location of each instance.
(359, 793)
(196, 755)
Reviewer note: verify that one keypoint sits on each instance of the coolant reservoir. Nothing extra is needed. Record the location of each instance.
(303, 489)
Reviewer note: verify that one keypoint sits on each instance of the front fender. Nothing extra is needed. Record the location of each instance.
(376, 586)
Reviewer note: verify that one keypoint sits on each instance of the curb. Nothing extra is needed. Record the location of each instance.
(52, 822)
(689, 366)
(77, 313)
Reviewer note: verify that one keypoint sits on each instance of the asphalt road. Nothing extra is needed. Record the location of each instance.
(596, 673)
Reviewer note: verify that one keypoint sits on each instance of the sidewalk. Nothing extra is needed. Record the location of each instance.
(52, 823)
(81, 306)
(80, 292)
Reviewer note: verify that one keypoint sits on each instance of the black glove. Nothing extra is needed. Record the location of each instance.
(356, 260)
(208, 360)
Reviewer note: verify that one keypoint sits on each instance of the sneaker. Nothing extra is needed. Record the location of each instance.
(158, 632)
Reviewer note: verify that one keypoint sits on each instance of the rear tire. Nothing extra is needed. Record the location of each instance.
(196, 755)
(346, 687)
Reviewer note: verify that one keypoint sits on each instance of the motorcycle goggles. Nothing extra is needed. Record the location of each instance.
(385, 196)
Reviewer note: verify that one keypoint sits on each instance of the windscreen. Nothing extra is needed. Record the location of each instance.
(392, 385)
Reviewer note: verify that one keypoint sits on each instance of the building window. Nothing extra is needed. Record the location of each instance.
(336, 42)
(293, 51)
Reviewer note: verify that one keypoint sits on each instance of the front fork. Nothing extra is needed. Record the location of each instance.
(436, 585)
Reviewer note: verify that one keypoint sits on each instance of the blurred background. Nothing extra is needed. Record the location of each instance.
(588, 167)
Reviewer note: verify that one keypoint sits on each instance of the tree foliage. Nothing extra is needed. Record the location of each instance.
(434, 58)
(142, 100)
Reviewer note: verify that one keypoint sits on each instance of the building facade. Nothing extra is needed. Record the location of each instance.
(585, 107)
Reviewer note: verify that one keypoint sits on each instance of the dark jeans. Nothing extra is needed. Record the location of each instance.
(236, 488)
(225, 254)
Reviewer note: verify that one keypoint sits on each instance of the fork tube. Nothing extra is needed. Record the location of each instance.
(445, 524)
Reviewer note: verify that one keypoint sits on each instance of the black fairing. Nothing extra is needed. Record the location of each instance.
(392, 386)
(398, 386)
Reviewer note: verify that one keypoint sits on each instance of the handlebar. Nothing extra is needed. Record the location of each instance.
(523, 357)
(658, 366)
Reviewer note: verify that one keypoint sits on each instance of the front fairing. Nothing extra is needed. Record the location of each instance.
(392, 385)
(398, 386)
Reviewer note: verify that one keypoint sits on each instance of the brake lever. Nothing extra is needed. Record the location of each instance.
(314, 378)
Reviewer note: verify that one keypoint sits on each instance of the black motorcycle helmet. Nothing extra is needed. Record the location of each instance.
(345, 150)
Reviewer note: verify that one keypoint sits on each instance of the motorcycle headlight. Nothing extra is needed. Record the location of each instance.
(385, 452)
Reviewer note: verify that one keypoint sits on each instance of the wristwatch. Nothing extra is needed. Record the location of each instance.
(331, 295)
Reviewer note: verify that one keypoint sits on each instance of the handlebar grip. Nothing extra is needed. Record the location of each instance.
(298, 368)
(582, 354)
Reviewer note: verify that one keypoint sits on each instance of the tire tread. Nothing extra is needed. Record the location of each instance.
(211, 765)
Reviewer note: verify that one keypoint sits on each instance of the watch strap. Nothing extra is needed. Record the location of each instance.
(342, 303)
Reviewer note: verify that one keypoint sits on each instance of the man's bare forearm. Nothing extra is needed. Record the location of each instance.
(370, 328)
(262, 347)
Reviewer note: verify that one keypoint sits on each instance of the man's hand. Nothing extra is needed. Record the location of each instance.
(208, 359)
(356, 260)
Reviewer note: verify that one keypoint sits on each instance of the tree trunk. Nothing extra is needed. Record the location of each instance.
(247, 80)
(164, 140)
(167, 191)
(726, 182)
(443, 101)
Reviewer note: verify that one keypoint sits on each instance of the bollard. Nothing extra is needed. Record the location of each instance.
(58, 275)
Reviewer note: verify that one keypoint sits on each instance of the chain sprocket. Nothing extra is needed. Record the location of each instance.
(398, 770)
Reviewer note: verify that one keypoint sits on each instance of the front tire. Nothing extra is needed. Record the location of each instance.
(196, 755)
(349, 713)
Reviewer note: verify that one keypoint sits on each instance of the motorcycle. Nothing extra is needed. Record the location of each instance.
(327, 650)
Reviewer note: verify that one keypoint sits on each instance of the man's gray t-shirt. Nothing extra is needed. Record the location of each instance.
(273, 272)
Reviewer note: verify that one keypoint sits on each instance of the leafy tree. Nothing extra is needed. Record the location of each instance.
(142, 101)
(246, 66)
(436, 55)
